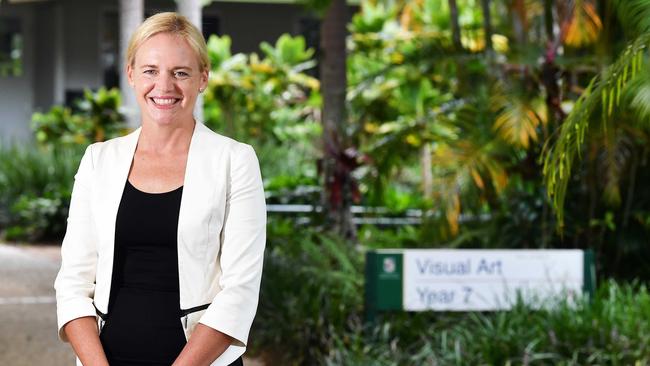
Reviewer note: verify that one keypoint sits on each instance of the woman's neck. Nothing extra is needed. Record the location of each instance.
(166, 139)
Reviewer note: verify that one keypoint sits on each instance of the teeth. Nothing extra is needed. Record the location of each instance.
(164, 101)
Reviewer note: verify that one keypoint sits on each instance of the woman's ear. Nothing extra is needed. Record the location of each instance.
(129, 75)
(205, 74)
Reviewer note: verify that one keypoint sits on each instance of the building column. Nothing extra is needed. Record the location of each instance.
(59, 55)
(131, 15)
(192, 10)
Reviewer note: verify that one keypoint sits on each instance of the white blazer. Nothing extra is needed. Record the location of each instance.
(221, 235)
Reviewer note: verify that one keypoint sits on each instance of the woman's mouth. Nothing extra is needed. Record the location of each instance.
(164, 101)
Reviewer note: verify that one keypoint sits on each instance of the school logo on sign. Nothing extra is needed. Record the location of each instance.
(389, 265)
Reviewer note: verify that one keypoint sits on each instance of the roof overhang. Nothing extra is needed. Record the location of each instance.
(349, 2)
(22, 1)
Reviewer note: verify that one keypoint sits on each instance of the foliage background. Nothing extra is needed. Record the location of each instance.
(525, 131)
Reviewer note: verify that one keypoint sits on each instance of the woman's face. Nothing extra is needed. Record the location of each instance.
(167, 79)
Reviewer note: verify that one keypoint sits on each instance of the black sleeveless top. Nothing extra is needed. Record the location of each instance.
(143, 325)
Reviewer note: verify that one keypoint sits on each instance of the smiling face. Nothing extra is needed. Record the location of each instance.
(167, 79)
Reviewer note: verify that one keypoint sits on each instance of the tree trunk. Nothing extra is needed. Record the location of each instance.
(550, 77)
(131, 15)
(551, 73)
(192, 10)
(520, 22)
(548, 19)
(337, 166)
(427, 174)
(487, 25)
(464, 83)
(455, 26)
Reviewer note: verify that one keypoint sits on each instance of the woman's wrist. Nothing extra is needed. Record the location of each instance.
(204, 346)
(84, 339)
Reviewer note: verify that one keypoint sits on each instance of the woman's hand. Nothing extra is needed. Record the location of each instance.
(204, 346)
(84, 339)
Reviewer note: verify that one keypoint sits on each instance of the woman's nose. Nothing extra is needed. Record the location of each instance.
(166, 81)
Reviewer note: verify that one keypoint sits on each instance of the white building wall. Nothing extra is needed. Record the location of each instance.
(16, 92)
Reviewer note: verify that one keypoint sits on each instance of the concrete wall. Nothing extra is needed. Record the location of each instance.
(16, 92)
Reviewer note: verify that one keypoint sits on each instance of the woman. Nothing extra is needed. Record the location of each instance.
(162, 257)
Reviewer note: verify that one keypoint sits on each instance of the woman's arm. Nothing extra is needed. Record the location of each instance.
(75, 282)
(203, 347)
(84, 339)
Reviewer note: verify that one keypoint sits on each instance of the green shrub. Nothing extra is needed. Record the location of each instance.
(311, 291)
(35, 189)
(95, 118)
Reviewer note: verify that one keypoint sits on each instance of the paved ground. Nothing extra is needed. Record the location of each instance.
(27, 309)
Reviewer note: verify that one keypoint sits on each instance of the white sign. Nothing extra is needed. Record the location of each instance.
(467, 280)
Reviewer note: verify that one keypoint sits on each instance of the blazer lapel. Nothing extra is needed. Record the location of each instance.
(194, 214)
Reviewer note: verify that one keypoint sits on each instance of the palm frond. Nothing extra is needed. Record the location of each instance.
(604, 91)
(466, 166)
(518, 116)
(633, 15)
(583, 26)
(617, 149)
(637, 97)
(461, 167)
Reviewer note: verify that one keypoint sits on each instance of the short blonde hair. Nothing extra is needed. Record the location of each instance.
(173, 23)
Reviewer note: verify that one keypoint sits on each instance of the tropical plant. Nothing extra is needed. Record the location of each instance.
(259, 99)
(96, 117)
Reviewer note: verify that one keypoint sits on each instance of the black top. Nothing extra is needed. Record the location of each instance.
(143, 325)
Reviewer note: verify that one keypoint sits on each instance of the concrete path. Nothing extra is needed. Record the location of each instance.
(28, 311)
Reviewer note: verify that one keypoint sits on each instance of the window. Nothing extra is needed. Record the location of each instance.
(11, 47)
(110, 49)
(210, 25)
(309, 28)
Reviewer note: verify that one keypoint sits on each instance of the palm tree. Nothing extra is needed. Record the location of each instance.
(487, 25)
(455, 25)
(338, 163)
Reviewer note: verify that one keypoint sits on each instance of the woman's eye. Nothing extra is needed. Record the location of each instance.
(181, 74)
(149, 72)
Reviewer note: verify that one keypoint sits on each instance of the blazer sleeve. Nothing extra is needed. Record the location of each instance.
(75, 281)
(243, 240)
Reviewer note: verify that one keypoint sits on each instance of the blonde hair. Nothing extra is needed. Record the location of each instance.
(173, 23)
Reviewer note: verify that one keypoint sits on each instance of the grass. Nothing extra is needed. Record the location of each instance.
(613, 329)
